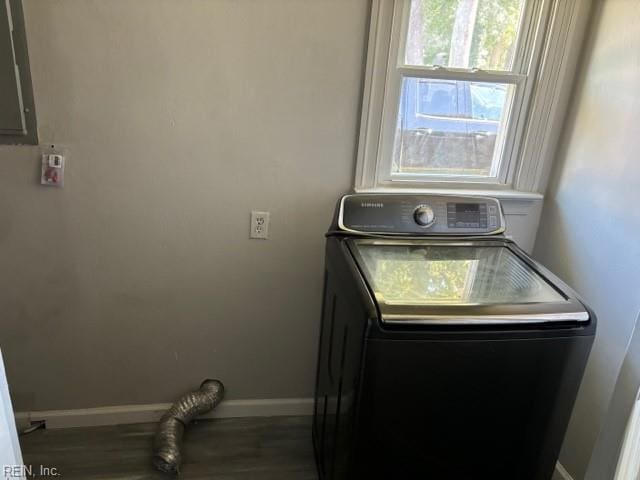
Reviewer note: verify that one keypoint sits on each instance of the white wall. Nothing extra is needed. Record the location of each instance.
(138, 279)
(590, 225)
(609, 446)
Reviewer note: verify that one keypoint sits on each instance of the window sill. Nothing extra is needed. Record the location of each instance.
(500, 194)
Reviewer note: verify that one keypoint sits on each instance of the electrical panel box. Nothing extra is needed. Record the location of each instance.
(17, 111)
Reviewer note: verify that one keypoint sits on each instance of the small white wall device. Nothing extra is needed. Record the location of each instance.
(52, 172)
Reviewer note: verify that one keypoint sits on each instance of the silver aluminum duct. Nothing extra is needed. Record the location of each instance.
(168, 439)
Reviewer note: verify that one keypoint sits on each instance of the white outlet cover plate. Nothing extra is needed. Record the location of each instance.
(259, 225)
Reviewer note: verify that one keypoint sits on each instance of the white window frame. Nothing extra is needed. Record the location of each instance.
(549, 44)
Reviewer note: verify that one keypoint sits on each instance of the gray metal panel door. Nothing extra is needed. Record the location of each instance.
(11, 117)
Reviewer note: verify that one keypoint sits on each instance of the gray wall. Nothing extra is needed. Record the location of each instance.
(138, 279)
(591, 221)
(608, 449)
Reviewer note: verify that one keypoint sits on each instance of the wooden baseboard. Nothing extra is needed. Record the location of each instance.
(561, 473)
(124, 414)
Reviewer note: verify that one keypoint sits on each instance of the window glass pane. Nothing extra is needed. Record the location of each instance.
(463, 33)
(487, 101)
(448, 127)
(452, 275)
(437, 98)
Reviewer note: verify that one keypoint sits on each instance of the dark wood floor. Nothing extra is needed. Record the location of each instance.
(275, 448)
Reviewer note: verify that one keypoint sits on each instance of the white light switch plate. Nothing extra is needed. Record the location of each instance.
(259, 225)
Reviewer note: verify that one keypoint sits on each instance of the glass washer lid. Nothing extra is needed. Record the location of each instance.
(426, 274)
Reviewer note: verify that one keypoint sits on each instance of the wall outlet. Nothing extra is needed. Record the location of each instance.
(259, 225)
(52, 168)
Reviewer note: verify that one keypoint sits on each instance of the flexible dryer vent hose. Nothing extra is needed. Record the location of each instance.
(168, 439)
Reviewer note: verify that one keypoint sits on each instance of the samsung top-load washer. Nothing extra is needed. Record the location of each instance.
(446, 352)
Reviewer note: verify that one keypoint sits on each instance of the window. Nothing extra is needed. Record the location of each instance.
(451, 86)
(448, 128)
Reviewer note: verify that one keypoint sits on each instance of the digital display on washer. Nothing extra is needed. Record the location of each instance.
(467, 215)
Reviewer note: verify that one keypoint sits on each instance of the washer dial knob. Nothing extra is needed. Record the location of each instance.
(424, 216)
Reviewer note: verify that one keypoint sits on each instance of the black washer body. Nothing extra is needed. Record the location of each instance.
(441, 402)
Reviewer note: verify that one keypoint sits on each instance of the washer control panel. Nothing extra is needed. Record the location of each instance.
(412, 214)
